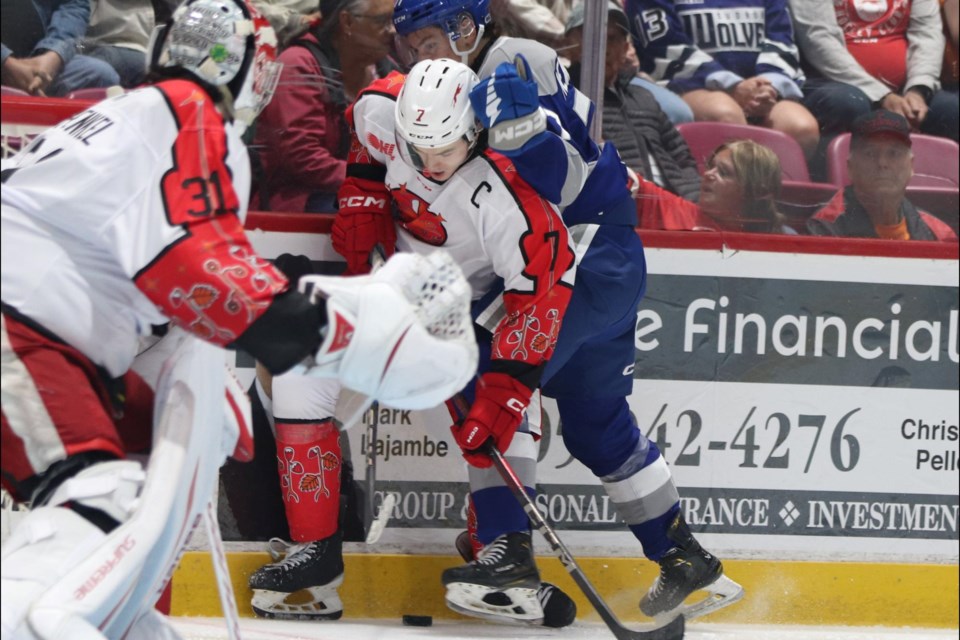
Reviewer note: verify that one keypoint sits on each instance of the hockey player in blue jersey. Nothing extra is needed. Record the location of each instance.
(731, 60)
(541, 122)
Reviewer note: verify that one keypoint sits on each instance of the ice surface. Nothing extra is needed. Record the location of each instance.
(214, 628)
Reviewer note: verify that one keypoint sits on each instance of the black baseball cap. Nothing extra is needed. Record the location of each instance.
(880, 123)
(615, 15)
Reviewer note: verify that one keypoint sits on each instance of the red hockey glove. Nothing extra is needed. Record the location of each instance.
(363, 221)
(496, 413)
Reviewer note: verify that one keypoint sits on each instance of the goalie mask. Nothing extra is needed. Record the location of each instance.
(225, 43)
(433, 109)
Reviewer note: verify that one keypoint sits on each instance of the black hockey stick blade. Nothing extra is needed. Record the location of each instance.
(672, 631)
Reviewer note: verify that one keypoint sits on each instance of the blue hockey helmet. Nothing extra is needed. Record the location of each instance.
(413, 15)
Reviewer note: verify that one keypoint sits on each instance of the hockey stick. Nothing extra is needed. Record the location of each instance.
(671, 631)
(228, 603)
(375, 521)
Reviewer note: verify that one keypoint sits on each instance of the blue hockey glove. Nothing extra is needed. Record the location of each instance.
(508, 105)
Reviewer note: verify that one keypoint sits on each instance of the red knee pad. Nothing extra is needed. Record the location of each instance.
(309, 461)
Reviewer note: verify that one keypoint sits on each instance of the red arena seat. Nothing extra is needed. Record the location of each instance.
(704, 137)
(936, 161)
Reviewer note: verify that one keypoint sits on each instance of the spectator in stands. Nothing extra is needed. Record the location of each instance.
(875, 204)
(302, 138)
(646, 139)
(540, 20)
(864, 56)
(950, 75)
(118, 34)
(732, 61)
(672, 104)
(738, 192)
(289, 18)
(39, 49)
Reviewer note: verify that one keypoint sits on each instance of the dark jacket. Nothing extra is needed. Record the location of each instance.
(844, 216)
(634, 122)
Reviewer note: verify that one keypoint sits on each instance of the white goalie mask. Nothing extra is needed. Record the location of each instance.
(433, 109)
(225, 43)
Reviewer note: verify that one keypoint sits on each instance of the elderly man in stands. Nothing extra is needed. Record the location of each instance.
(875, 204)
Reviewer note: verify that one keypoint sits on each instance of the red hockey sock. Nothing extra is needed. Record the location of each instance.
(472, 529)
(309, 460)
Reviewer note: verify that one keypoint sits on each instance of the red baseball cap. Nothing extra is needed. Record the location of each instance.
(880, 123)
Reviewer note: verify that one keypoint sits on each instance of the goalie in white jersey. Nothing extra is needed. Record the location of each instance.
(129, 216)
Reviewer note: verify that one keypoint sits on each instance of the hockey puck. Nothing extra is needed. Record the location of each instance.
(417, 621)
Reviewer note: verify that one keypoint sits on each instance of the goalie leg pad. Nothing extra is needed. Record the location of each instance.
(46, 544)
(52, 540)
(111, 580)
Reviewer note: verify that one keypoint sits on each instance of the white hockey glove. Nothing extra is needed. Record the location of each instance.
(402, 335)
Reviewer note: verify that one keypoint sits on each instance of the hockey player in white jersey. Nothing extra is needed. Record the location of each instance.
(542, 126)
(129, 216)
(449, 189)
(509, 241)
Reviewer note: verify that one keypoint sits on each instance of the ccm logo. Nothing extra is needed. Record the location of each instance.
(515, 404)
(363, 201)
(521, 130)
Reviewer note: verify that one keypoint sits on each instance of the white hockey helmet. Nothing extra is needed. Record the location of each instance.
(225, 43)
(433, 109)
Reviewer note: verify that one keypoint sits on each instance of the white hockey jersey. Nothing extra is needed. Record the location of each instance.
(129, 215)
(493, 223)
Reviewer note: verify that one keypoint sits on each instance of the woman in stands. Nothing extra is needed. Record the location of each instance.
(302, 138)
(738, 192)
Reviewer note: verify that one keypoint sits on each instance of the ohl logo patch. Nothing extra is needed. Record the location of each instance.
(386, 148)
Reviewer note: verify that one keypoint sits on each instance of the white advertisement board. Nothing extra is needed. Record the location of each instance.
(806, 403)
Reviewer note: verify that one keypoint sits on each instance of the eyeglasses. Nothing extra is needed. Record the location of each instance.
(381, 21)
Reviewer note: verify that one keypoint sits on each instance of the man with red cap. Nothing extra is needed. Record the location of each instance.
(875, 205)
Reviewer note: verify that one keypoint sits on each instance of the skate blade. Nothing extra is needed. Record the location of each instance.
(721, 593)
(522, 606)
(312, 603)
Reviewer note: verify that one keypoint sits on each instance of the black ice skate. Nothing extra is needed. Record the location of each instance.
(686, 568)
(559, 610)
(303, 585)
(500, 585)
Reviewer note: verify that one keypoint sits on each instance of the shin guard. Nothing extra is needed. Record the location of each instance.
(309, 461)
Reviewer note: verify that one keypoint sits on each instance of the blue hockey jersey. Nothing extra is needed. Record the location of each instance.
(565, 165)
(714, 44)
